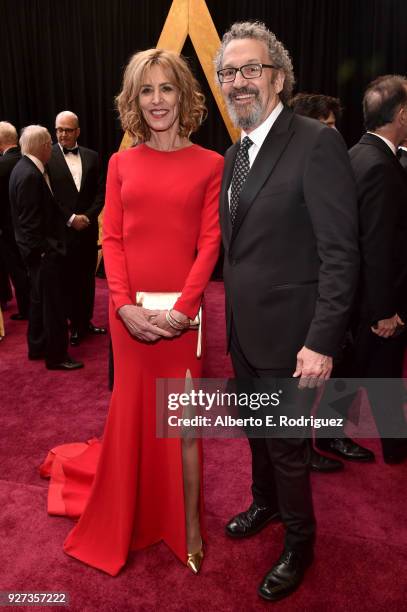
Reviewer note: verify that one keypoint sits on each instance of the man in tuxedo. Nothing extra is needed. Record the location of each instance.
(381, 309)
(328, 110)
(10, 154)
(76, 182)
(40, 236)
(289, 226)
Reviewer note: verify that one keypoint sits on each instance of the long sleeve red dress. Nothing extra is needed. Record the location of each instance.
(160, 233)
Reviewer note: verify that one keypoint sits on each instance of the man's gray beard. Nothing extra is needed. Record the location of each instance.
(247, 121)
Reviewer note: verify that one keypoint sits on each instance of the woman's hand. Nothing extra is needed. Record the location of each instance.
(162, 322)
(181, 318)
(140, 323)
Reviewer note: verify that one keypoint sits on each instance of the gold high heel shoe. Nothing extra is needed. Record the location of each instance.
(194, 560)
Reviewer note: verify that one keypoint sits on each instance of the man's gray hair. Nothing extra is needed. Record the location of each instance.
(279, 55)
(8, 133)
(32, 138)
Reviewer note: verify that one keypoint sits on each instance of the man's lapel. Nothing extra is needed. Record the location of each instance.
(85, 166)
(62, 167)
(270, 152)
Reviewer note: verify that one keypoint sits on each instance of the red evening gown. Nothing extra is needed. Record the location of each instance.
(161, 233)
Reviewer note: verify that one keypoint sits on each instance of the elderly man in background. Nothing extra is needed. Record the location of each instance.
(14, 265)
(40, 236)
(76, 182)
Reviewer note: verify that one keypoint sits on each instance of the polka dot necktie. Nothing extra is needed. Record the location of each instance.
(240, 172)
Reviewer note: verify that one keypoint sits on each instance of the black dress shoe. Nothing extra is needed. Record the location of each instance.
(250, 522)
(68, 365)
(74, 340)
(285, 576)
(17, 316)
(347, 449)
(320, 463)
(96, 330)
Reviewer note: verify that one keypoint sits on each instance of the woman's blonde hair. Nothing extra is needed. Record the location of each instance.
(192, 110)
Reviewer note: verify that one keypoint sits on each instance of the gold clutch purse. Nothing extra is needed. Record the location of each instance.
(158, 300)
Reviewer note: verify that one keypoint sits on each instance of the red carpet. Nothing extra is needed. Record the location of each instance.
(361, 556)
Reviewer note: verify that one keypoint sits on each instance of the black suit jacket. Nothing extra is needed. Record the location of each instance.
(382, 199)
(7, 162)
(88, 200)
(291, 260)
(37, 219)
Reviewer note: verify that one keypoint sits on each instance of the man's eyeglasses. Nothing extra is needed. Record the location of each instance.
(60, 130)
(248, 71)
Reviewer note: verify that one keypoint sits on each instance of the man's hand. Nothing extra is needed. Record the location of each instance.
(313, 368)
(386, 327)
(399, 321)
(137, 321)
(80, 222)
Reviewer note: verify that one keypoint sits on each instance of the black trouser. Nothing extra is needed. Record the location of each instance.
(47, 326)
(280, 467)
(373, 357)
(36, 329)
(80, 281)
(17, 271)
(5, 287)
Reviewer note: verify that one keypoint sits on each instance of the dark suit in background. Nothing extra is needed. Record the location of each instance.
(382, 195)
(81, 245)
(40, 236)
(9, 251)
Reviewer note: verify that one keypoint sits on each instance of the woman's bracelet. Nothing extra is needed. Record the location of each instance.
(171, 322)
(175, 323)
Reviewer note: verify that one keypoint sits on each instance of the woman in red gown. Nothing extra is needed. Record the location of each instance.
(160, 234)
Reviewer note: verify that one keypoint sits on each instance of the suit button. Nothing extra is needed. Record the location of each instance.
(233, 262)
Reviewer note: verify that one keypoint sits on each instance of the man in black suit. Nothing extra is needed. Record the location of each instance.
(76, 182)
(40, 236)
(381, 307)
(289, 226)
(328, 110)
(8, 247)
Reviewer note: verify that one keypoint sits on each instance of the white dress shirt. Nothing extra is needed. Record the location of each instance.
(74, 164)
(258, 136)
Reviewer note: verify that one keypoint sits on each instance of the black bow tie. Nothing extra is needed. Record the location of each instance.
(74, 151)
